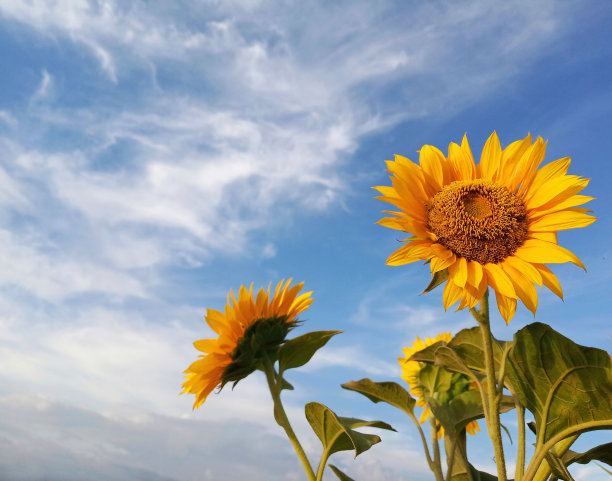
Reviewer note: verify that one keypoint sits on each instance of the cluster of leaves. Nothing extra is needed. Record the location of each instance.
(567, 388)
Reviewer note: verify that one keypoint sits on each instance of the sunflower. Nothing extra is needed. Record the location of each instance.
(412, 371)
(492, 224)
(250, 330)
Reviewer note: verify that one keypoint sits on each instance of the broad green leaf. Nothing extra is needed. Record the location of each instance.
(601, 453)
(436, 279)
(463, 353)
(337, 433)
(355, 423)
(298, 351)
(567, 387)
(462, 410)
(340, 474)
(389, 392)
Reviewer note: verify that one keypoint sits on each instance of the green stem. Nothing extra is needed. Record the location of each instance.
(520, 454)
(423, 440)
(437, 463)
(281, 418)
(492, 408)
(322, 465)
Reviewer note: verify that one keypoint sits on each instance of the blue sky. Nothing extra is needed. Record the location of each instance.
(155, 154)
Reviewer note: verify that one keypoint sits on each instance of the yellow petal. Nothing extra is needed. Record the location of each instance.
(526, 268)
(216, 320)
(523, 287)
(539, 251)
(206, 345)
(432, 161)
(556, 205)
(410, 252)
(511, 157)
(499, 280)
(550, 280)
(451, 294)
(490, 157)
(558, 168)
(475, 273)
(458, 272)
(506, 306)
(561, 221)
(528, 166)
(554, 188)
(437, 264)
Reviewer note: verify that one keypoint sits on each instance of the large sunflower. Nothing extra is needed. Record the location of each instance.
(250, 329)
(492, 224)
(411, 373)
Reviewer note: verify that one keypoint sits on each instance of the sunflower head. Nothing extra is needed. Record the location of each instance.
(428, 381)
(492, 224)
(249, 331)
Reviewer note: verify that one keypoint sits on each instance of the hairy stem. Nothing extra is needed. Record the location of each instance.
(437, 463)
(492, 408)
(281, 418)
(520, 453)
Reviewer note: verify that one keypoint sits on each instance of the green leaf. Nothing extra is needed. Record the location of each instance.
(567, 387)
(285, 384)
(557, 467)
(337, 433)
(601, 453)
(436, 279)
(464, 353)
(482, 475)
(389, 392)
(340, 474)
(298, 351)
(462, 409)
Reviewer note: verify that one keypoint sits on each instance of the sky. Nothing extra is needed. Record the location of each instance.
(155, 154)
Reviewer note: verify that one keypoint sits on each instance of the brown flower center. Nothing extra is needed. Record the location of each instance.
(479, 220)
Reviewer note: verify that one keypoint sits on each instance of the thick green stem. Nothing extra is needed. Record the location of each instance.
(281, 418)
(492, 408)
(456, 458)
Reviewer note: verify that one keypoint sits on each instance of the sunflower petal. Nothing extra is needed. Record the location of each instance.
(490, 158)
(506, 306)
(539, 251)
(498, 279)
(561, 221)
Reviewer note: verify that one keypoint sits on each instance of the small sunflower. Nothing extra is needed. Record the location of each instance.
(249, 330)
(412, 371)
(492, 224)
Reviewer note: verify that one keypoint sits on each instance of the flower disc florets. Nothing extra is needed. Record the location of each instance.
(479, 220)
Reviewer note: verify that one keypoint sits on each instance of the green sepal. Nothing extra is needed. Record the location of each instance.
(260, 341)
(567, 387)
(340, 474)
(298, 351)
(436, 279)
(337, 433)
(389, 392)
